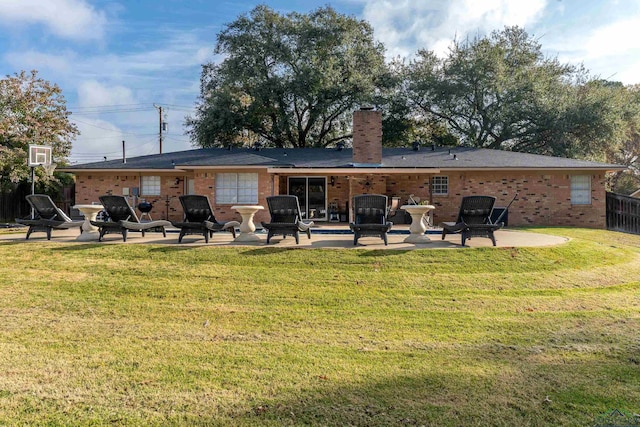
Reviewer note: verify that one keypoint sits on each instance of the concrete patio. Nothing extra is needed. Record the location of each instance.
(325, 236)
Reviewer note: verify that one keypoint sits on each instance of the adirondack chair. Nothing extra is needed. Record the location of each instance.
(286, 219)
(199, 218)
(473, 219)
(370, 214)
(122, 218)
(46, 216)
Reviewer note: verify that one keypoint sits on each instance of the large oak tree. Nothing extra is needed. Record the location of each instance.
(287, 80)
(501, 92)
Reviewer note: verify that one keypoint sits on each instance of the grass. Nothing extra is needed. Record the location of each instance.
(156, 335)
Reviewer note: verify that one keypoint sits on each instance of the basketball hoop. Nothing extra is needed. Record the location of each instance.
(39, 155)
(49, 168)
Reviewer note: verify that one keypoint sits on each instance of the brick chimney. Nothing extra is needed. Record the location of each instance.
(367, 137)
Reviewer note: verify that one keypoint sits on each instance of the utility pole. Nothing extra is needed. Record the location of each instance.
(162, 125)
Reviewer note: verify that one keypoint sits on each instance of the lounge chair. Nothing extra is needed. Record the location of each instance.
(122, 218)
(473, 219)
(370, 214)
(199, 219)
(46, 216)
(285, 218)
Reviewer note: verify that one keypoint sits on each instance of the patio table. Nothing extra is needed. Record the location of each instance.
(89, 231)
(247, 227)
(417, 228)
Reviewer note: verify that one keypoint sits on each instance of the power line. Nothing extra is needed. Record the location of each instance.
(175, 138)
(143, 149)
(188, 107)
(104, 106)
(110, 130)
(132, 110)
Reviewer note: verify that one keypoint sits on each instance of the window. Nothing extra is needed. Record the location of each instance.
(239, 188)
(191, 186)
(150, 185)
(580, 189)
(440, 185)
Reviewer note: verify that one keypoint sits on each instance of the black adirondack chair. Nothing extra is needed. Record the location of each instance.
(122, 218)
(46, 216)
(370, 217)
(199, 218)
(286, 219)
(474, 219)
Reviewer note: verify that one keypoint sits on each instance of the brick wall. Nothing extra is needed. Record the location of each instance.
(205, 183)
(367, 137)
(544, 198)
(90, 186)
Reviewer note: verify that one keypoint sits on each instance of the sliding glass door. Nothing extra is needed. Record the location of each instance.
(312, 195)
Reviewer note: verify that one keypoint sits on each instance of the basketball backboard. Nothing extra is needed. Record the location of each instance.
(39, 155)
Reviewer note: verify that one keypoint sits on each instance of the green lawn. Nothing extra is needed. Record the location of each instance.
(166, 335)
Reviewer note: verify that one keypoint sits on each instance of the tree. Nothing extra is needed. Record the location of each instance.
(624, 148)
(32, 111)
(287, 81)
(501, 92)
(402, 125)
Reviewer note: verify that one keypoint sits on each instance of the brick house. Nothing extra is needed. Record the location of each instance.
(552, 190)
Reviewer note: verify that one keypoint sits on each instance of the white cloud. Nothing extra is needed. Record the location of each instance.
(407, 25)
(604, 36)
(614, 39)
(204, 54)
(70, 19)
(98, 138)
(59, 63)
(91, 93)
(101, 138)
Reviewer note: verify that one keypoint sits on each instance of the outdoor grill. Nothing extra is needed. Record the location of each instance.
(145, 207)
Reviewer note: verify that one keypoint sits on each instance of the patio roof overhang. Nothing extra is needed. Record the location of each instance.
(343, 171)
(227, 167)
(353, 171)
(121, 171)
(535, 169)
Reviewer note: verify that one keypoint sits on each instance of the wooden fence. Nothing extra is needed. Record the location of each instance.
(623, 213)
(14, 205)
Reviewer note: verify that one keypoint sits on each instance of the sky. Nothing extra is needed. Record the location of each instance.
(117, 62)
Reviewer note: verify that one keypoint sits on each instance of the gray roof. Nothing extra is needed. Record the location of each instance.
(440, 158)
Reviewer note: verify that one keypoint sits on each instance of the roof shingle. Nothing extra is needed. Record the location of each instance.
(321, 158)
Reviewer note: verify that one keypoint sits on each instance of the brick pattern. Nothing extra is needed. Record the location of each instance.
(90, 186)
(367, 137)
(544, 198)
(205, 183)
(167, 205)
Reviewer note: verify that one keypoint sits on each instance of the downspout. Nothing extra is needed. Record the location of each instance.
(349, 211)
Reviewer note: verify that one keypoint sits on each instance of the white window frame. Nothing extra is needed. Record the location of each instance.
(191, 186)
(440, 185)
(150, 185)
(580, 189)
(236, 188)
